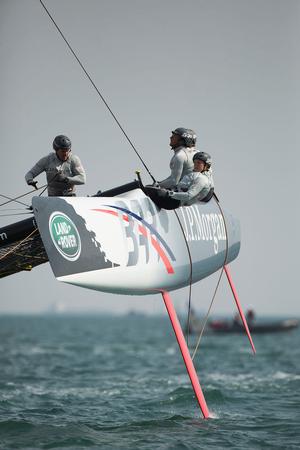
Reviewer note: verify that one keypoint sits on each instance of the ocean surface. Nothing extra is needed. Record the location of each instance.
(107, 382)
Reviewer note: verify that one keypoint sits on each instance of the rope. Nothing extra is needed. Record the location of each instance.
(30, 256)
(18, 245)
(207, 315)
(13, 200)
(44, 187)
(13, 209)
(218, 283)
(97, 90)
(20, 196)
(16, 214)
(190, 282)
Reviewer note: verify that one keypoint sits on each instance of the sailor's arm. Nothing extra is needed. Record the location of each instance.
(193, 191)
(38, 168)
(78, 173)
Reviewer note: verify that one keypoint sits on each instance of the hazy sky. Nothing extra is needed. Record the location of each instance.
(229, 69)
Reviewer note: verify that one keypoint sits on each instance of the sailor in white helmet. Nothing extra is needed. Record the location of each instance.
(63, 169)
(196, 186)
(182, 142)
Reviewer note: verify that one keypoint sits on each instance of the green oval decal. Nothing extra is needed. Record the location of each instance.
(65, 236)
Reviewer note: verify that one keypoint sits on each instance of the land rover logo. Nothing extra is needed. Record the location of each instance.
(65, 236)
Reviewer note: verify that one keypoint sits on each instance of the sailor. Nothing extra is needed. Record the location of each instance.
(182, 142)
(250, 316)
(63, 169)
(196, 186)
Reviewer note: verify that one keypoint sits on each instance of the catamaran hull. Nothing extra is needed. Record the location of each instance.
(127, 245)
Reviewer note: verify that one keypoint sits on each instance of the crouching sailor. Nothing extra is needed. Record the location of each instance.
(196, 186)
(63, 169)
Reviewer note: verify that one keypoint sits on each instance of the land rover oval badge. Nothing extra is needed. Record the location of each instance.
(65, 236)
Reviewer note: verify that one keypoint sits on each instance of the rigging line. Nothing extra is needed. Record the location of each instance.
(218, 283)
(97, 90)
(190, 282)
(225, 226)
(16, 214)
(32, 257)
(20, 196)
(13, 200)
(44, 189)
(18, 245)
(207, 315)
(48, 184)
(13, 209)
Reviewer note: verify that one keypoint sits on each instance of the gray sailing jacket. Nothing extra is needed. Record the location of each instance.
(52, 165)
(181, 164)
(194, 186)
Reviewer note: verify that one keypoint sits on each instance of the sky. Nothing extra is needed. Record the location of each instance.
(230, 70)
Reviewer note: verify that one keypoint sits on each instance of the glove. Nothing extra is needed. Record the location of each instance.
(162, 192)
(32, 183)
(61, 178)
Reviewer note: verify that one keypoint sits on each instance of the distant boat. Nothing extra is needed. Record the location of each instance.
(227, 326)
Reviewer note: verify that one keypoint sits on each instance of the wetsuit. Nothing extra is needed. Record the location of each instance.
(71, 170)
(193, 187)
(181, 164)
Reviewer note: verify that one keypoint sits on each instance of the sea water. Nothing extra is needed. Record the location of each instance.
(109, 382)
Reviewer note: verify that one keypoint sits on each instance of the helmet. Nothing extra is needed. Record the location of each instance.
(61, 141)
(194, 137)
(203, 156)
(187, 135)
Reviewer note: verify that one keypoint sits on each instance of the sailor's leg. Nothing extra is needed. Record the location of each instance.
(186, 354)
